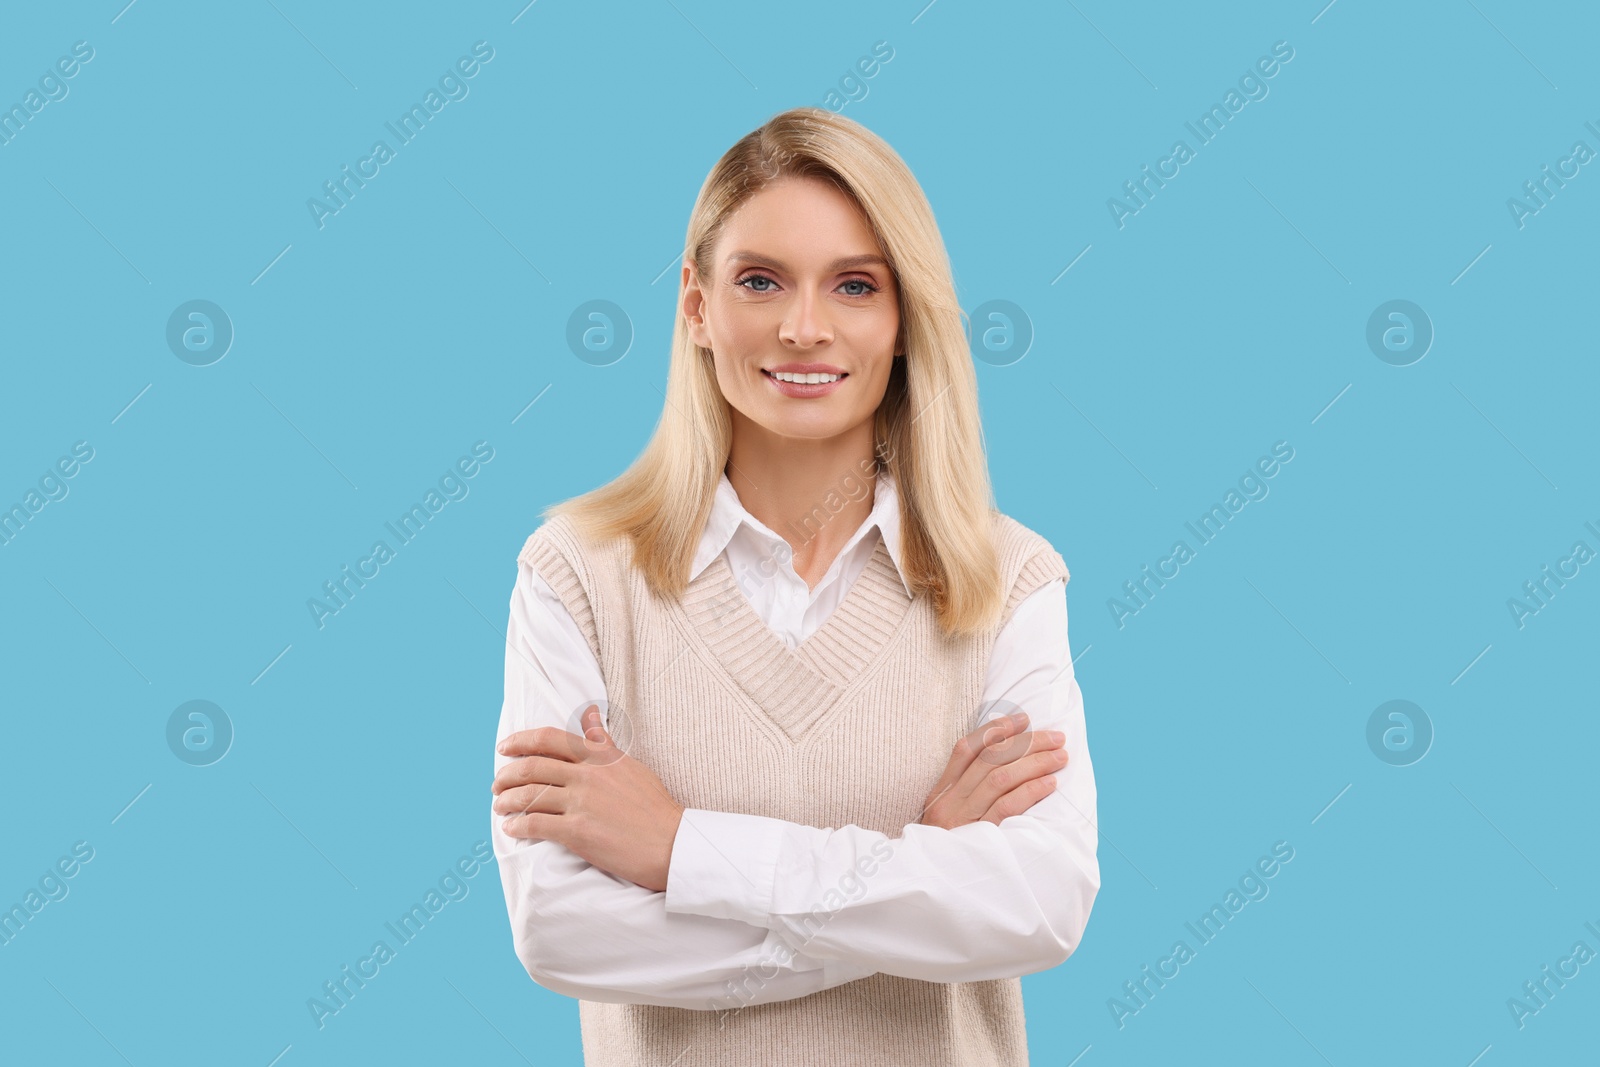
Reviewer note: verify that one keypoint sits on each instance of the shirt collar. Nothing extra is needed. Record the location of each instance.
(728, 513)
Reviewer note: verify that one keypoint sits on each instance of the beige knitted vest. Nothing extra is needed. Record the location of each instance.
(854, 725)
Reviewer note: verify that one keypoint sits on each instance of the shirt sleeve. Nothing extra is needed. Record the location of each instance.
(583, 932)
(976, 902)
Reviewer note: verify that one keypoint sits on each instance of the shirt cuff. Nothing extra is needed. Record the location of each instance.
(724, 865)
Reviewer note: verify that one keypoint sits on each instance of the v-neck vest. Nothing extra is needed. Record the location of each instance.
(852, 726)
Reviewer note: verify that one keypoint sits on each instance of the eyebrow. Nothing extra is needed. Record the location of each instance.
(844, 263)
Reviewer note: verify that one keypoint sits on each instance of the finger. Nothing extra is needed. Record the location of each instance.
(1005, 747)
(1000, 752)
(544, 741)
(535, 827)
(967, 748)
(1038, 741)
(999, 779)
(532, 770)
(973, 753)
(526, 799)
(593, 729)
(1020, 799)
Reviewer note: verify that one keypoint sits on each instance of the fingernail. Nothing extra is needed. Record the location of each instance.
(1019, 717)
(1056, 737)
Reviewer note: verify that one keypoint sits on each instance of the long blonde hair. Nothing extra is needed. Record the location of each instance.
(927, 431)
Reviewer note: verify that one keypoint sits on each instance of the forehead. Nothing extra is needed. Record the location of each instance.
(801, 223)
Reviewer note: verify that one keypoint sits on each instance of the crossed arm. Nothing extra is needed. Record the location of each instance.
(757, 910)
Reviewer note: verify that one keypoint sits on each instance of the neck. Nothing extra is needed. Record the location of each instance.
(811, 492)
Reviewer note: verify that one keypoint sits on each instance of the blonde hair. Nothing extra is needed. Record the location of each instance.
(927, 431)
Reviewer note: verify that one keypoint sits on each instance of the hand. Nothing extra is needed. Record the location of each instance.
(995, 772)
(587, 794)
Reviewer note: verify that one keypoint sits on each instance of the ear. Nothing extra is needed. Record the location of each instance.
(693, 302)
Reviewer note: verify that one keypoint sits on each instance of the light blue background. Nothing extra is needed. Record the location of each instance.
(369, 355)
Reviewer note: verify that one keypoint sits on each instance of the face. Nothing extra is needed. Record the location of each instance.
(799, 286)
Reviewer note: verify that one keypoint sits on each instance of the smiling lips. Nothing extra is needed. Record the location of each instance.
(805, 380)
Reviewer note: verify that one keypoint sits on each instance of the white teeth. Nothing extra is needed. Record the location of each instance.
(804, 379)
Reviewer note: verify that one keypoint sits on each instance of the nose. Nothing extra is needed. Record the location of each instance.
(805, 321)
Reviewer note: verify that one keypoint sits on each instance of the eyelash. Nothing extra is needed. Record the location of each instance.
(871, 289)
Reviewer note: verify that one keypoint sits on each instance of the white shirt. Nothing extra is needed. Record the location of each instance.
(976, 902)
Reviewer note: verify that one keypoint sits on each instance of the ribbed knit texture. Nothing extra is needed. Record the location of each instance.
(854, 725)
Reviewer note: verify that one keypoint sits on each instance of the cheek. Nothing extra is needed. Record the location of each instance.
(747, 331)
(891, 336)
(887, 330)
(736, 334)
(729, 379)
(883, 341)
(736, 379)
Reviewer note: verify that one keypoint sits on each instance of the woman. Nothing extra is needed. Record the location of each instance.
(763, 797)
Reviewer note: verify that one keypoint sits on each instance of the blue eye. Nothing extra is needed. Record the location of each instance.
(867, 288)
